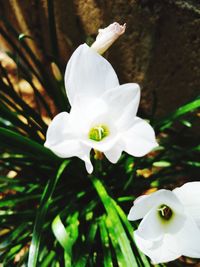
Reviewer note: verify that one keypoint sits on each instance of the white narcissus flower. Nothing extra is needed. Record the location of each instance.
(102, 115)
(169, 226)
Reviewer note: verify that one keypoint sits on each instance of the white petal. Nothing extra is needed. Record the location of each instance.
(106, 144)
(73, 148)
(85, 156)
(143, 204)
(114, 153)
(56, 130)
(154, 227)
(160, 251)
(189, 195)
(189, 238)
(85, 112)
(150, 227)
(141, 207)
(88, 74)
(139, 139)
(64, 142)
(123, 102)
(67, 148)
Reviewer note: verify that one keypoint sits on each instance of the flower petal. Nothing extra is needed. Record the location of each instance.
(188, 238)
(141, 207)
(139, 139)
(150, 227)
(88, 74)
(189, 195)
(159, 251)
(123, 102)
(73, 148)
(114, 153)
(56, 130)
(62, 141)
(153, 226)
(143, 204)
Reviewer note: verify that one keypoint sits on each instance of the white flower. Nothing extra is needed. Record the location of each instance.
(169, 226)
(107, 37)
(102, 115)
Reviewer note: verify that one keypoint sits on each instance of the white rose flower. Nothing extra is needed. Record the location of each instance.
(169, 226)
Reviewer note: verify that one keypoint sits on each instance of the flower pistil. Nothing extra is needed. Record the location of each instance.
(165, 212)
(98, 132)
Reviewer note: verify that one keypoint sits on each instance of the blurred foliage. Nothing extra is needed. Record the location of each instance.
(51, 212)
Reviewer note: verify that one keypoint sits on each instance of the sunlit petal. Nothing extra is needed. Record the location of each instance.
(88, 74)
(140, 138)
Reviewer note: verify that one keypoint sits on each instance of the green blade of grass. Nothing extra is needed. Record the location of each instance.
(66, 236)
(167, 121)
(9, 91)
(141, 258)
(22, 143)
(45, 78)
(84, 255)
(107, 261)
(52, 28)
(41, 214)
(118, 231)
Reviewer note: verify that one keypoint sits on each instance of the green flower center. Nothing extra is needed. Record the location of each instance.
(165, 212)
(98, 133)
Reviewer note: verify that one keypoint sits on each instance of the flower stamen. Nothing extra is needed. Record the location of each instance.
(98, 133)
(165, 212)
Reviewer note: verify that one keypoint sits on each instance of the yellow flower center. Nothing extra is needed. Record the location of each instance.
(98, 133)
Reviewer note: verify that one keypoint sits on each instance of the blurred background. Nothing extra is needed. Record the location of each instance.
(160, 50)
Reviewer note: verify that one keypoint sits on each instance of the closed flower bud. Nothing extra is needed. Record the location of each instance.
(107, 37)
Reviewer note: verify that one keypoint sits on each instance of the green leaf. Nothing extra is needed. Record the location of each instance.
(193, 163)
(84, 256)
(186, 123)
(22, 143)
(41, 214)
(140, 257)
(167, 121)
(117, 231)
(66, 236)
(105, 243)
(162, 164)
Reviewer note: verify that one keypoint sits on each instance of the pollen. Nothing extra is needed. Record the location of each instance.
(98, 133)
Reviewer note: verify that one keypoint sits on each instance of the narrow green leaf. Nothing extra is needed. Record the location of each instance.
(66, 236)
(186, 123)
(20, 142)
(167, 121)
(162, 164)
(46, 262)
(41, 214)
(113, 220)
(52, 28)
(141, 258)
(193, 163)
(83, 258)
(107, 261)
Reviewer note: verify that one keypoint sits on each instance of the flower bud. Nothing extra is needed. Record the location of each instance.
(107, 37)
